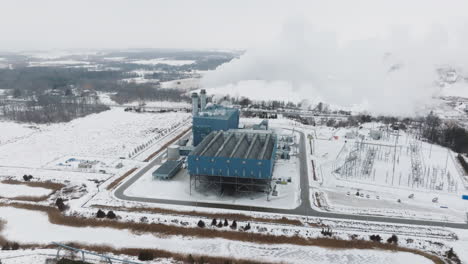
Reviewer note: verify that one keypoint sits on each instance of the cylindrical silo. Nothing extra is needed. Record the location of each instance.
(194, 104)
(173, 152)
(202, 99)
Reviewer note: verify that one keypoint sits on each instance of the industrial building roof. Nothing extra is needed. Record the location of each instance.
(168, 167)
(217, 112)
(237, 144)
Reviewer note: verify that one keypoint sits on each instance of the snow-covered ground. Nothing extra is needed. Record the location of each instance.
(11, 131)
(15, 190)
(105, 98)
(110, 134)
(18, 228)
(182, 84)
(163, 61)
(381, 188)
(57, 54)
(57, 63)
(115, 58)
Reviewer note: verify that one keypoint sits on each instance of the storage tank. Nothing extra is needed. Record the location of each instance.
(173, 152)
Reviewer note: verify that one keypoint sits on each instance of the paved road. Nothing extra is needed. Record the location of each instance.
(304, 209)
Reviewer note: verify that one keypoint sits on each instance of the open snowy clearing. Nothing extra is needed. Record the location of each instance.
(45, 174)
(18, 228)
(110, 134)
(57, 63)
(15, 190)
(11, 131)
(105, 98)
(163, 61)
(342, 175)
(182, 84)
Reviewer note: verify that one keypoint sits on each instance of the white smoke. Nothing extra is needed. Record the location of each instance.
(395, 74)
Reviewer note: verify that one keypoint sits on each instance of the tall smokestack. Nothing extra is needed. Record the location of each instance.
(194, 104)
(202, 99)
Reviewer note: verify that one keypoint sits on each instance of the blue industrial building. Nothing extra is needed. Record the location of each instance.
(211, 118)
(225, 156)
(244, 154)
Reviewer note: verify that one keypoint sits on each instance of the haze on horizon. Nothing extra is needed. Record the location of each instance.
(336, 51)
(203, 24)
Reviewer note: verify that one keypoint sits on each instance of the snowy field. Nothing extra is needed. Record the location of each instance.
(106, 99)
(57, 63)
(359, 177)
(163, 61)
(11, 131)
(15, 190)
(41, 231)
(182, 84)
(110, 134)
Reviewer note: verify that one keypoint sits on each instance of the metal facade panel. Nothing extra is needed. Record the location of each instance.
(237, 165)
(205, 124)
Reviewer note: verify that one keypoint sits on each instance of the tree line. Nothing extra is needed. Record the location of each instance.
(51, 109)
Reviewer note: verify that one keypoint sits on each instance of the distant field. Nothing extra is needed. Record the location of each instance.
(112, 134)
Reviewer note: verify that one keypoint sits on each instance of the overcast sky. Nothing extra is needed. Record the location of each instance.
(71, 24)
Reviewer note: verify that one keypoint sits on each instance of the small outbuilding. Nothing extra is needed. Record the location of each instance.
(168, 170)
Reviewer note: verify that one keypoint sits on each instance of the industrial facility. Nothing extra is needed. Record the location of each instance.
(223, 156)
(243, 159)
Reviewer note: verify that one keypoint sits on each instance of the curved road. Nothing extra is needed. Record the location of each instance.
(304, 209)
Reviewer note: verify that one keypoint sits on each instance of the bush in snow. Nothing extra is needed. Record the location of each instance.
(15, 246)
(452, 256)
(327, 232)
(201, 224)
(6, 247)
(190, 259)
(226, 222)
(111, 215)
(392, 240)
(60, 204)
(27, 177)
(100, 214)
(375, 238)
(234, 224)
(213, 223)
(145, 255)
